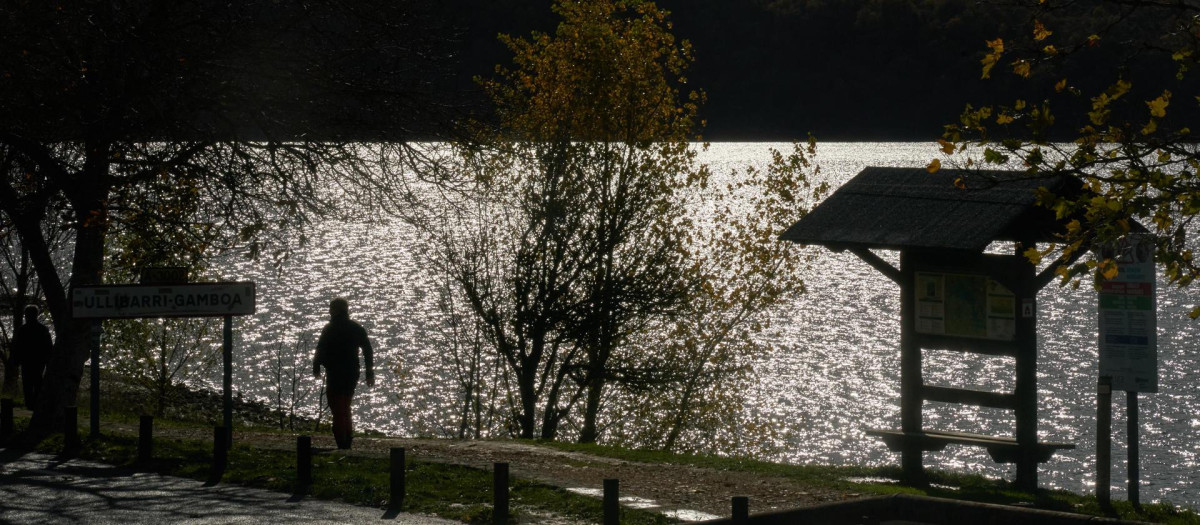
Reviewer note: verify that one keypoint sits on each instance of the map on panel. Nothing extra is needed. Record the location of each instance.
(964, 305)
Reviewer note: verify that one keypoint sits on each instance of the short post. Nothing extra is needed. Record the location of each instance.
(303, 463)
(612, 502)
(1104, 442)
(6, 416)
(145, 438)
(741, 510)
(71, 427)
(396, 502)
(220, 452)
(500, 493)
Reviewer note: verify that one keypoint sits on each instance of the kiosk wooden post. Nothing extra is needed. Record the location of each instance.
(911, 460)
(941, 224)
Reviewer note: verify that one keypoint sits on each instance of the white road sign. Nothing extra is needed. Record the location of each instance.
(181, 300)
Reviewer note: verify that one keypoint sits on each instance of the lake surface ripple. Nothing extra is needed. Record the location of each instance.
(836, 372)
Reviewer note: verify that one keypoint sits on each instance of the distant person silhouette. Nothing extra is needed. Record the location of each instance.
(337, 351)
(31, 348)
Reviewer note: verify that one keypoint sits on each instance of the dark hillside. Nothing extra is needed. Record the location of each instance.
(890, 70)
(881, 69)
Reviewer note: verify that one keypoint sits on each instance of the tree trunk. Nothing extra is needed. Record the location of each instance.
(71, 351)
(88, 196)
(591, 408)
(527, 419)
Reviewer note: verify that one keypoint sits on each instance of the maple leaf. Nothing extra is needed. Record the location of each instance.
(1158, 106)
(990, 60)
(1040, 32)
(1022, 68)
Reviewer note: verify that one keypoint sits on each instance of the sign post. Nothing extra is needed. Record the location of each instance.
(227, 379)
(1128, 325)
(1104, 442)
(94, 404)
(166, 300)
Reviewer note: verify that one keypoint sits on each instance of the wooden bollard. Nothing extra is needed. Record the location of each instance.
(612, 502)
(396, 501)
(6, 416)
(145, 439)
(220, 453)
(303, 463)
(741, 510)
(71, 427)
(500, 493)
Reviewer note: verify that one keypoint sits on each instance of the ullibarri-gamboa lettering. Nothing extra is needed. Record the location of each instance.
(160, 301)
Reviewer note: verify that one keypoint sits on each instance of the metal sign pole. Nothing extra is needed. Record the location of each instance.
(1132, 412)
(94, 417)
(227, 357)
(1104, 442)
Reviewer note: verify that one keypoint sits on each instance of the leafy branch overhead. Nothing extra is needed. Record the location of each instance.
(1098, 94)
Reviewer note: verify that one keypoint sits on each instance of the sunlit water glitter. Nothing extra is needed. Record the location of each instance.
(836, 374)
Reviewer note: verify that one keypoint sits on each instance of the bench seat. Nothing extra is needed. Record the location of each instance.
(1002, 449)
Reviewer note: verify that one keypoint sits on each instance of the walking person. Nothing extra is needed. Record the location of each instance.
(31, 348)
(337, 351)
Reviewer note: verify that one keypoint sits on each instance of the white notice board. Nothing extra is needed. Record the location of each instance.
(181, 300)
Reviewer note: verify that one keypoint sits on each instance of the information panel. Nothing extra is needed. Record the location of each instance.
(1128, 317)
(964, 305)
(183, 300)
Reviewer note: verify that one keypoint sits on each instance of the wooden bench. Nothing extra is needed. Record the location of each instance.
(1002, 449)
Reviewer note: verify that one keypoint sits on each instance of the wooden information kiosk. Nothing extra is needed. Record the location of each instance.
(953, 296)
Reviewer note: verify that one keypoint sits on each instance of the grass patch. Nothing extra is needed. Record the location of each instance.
(948, 485)
(449, 491)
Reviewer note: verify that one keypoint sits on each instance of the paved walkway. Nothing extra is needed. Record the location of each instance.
(37, 488)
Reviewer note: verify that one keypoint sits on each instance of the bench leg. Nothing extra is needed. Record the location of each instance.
(912, 464)
(1027, 471)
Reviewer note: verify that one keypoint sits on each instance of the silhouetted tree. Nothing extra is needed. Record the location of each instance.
(238, 113)
(578, 251)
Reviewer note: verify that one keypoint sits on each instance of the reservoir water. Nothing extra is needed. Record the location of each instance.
(836, 371)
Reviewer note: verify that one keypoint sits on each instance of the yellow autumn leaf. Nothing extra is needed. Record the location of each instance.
(1040, 32)
(960, 183)
(993, 56)
(1050, 50)
(1109, 269)
(1195, 313)
(1158, 106)
(1060, 86)
(1021, 68)
(1004, 119)
(1093, 40)
(1150, 127)
(947, 146)
(1033, 255)
(934, 166)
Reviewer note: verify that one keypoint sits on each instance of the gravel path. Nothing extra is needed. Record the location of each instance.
(683, 491)
(686, 492)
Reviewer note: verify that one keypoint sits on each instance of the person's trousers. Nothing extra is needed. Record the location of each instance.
(31, 383)
(343, 425)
